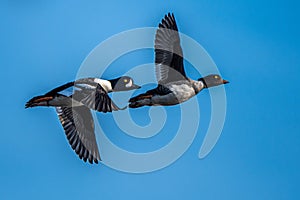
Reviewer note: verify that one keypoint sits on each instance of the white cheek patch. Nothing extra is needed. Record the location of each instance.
(129, 84)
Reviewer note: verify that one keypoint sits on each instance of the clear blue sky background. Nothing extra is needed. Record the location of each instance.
(254, 43)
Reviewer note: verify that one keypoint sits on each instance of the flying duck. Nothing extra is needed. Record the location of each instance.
(174, 87)
(74, 109)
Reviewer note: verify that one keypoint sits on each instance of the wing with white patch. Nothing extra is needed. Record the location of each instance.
(95, 98)
(79, 129)
(88, 92)
(168, 52)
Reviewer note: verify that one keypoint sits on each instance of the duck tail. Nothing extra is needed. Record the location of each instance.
(140, 97)
(42, 100)
(135, 104)
(140, 100)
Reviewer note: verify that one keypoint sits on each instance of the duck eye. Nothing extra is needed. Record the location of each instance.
(129, 84)
(216, 77)
(125, 80)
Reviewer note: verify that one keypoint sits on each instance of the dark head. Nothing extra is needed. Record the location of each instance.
(123, 83)
(213, 80)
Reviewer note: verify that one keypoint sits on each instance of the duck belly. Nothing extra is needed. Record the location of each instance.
(168, 99)
(179, 94)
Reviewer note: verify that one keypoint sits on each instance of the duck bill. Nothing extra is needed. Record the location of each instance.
(134, 86)
(225, 81)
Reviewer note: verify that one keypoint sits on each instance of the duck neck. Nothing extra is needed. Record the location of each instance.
(198, 85)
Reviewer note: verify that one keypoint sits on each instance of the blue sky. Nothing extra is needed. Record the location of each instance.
(255, 45)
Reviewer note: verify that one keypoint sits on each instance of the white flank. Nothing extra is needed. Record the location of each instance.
(182, 92)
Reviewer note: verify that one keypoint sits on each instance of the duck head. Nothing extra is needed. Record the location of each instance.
(123, 83)
(212, 80)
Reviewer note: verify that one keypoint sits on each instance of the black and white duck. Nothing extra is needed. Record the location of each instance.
(74, 109)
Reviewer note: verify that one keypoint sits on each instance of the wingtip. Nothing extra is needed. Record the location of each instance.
(170, 15)
(173, 16)
(92, 160)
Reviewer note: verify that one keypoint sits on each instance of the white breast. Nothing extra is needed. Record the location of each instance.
(182, 92)
(106, 85)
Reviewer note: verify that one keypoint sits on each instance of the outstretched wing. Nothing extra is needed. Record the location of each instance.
(168, 52)
(79, 128)
(87, 92)
(95, 98)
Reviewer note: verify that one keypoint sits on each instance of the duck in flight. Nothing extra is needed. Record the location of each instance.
(74, 109)
(174, 87)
